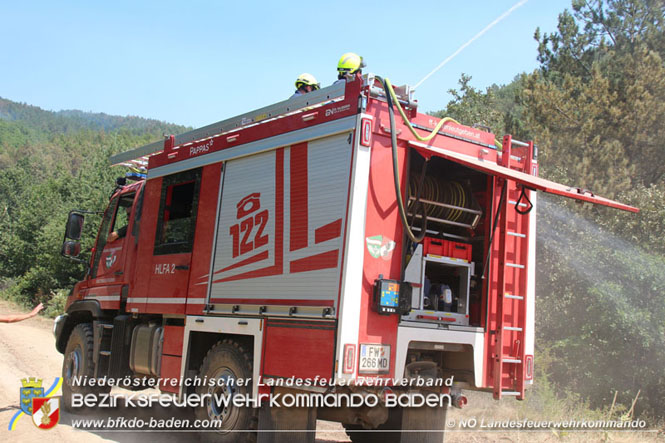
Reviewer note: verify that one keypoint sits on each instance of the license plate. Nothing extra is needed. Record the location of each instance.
(374, 359)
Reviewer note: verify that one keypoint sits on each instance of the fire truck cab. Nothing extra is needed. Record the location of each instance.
(317, 245)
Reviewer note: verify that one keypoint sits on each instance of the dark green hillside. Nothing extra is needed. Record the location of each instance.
(73, 120)
(63, 138)
(51, 162)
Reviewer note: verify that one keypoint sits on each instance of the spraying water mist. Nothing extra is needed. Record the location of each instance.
(600, 310)
(562, 231)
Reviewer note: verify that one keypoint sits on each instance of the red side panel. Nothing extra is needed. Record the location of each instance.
(148, 225)
(527, 180)
(299, 349)
(169, 275)
(383, 244)
(107, 296)
(454, 131)
(203, 240)
(170, 370)
(171, 356)
(173, 337)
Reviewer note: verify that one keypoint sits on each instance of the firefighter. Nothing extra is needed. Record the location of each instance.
(122, 232)
(347, 67)
(305, 83)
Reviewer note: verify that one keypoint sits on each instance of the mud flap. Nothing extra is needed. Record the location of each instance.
(423, 425)
(286, 419)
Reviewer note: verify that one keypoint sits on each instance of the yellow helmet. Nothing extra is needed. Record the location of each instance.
(350, 63)
(308, 80)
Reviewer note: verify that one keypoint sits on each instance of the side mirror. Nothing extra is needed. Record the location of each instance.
(74, 226)
(71, 248)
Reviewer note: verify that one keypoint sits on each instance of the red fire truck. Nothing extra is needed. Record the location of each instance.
(322, 245)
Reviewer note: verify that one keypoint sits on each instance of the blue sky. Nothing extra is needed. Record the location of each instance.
(199, 62)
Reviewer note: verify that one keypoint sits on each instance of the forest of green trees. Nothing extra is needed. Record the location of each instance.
(50, 163)
(596, 109)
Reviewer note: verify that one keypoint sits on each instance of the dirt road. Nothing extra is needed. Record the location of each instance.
(27, 350)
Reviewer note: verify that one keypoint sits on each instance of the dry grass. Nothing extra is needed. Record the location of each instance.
(537, 406)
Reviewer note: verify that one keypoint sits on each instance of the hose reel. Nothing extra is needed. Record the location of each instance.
(446, 201)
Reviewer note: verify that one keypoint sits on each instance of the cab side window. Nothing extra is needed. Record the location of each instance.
(104, 230)
(114, 226)
(121, 221)
(177, 213)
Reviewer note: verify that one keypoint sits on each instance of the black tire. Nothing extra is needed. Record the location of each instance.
(358, 434)
(227, 360)
(78, 362)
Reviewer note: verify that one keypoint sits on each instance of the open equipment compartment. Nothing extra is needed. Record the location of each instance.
(445, 295)
(445, 269)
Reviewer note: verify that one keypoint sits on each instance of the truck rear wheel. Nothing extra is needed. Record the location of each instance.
(226, 363)
(430, 420)
(358, 434)
(79, 363)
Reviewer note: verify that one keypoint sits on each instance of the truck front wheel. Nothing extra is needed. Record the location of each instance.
(78, 365)
(225, 364)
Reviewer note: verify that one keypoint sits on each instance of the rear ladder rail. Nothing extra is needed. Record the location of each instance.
(509, 352)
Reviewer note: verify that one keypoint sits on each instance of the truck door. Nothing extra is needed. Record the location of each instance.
(174, 240)
(107, 275)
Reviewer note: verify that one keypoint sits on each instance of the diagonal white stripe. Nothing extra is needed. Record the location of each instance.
(474, 38)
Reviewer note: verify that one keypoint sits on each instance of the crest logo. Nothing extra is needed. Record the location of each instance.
(42, 406)
(31, 388)
(380, 247)
(46, 412)
(110, 260)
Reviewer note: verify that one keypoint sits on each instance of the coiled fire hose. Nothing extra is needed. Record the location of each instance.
(392, 98)
(433, 189)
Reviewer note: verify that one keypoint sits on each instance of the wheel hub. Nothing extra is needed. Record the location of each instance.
(220, 406)
(73, 364)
